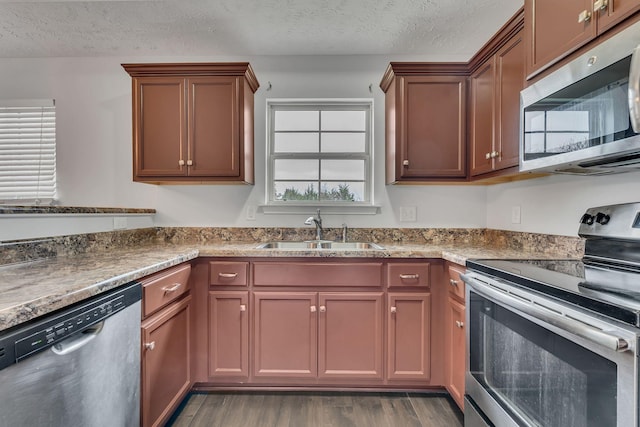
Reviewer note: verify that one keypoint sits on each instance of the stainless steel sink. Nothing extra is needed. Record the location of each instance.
(320, 244)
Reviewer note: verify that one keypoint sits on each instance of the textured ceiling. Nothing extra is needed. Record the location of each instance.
(249, 27)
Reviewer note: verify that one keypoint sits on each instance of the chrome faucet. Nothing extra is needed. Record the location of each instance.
(317, 220)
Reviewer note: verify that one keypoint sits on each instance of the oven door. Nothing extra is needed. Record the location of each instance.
(532, 361)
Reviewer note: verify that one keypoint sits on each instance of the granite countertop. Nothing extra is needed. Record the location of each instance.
(34, 288)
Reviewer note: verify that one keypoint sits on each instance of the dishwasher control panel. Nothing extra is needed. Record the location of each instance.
(46, 331)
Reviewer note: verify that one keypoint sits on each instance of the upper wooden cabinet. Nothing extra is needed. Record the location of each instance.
(192, 122)
(494, 107)
(425, 119)
(557, 28)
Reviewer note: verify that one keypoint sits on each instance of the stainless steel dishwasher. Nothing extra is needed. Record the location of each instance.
(79, 366)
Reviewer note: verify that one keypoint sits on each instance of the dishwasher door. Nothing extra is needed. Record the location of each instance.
(91, 379)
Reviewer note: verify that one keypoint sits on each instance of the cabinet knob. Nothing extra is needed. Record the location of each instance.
(313, 309)
(323, 309)
(600, 5)
(487, 156)
(405, 163)
(495, 154)
(181, 162)
(150, 345)
(189, 162)
(243, 307)
(394, 309)
(459, 324)
(584, 16)
(453, 282)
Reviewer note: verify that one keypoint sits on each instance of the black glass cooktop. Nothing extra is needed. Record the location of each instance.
(608, 291)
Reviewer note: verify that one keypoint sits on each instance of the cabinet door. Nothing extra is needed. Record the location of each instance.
(408, 347)
(456, 351)
(482, 118)
(510, 81)
(285, 334)
(214, 128)
(614, 11)
(432, 127)
(350, 335)
(159, 123)
(553, 30)
(228, 335)
(165, 361)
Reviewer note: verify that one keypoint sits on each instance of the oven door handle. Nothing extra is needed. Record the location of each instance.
(590, 333)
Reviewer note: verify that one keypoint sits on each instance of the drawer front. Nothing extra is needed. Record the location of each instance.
(456, 285)
(317, 274)
(222, 273)
(162, 288)
(408, 274)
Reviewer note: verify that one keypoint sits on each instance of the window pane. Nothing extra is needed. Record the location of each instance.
(296, 190)
(291, 169)
(344, 120)
(338, 170)
(343, 191)
(568, 120)
(296, 120)
(343, 142)
(296, 143)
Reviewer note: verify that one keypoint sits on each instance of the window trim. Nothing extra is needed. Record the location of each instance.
(358, 104)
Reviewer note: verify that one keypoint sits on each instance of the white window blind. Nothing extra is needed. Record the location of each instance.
(27, 151)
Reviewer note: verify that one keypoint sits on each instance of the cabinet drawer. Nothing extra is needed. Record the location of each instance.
(405, 274)
(456, 285)
(317, 274)
(223, 273)
(162, 288)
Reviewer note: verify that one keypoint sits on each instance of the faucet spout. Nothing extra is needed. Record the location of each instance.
(317, 221)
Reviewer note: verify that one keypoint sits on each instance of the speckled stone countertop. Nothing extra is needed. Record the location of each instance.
(32, 288)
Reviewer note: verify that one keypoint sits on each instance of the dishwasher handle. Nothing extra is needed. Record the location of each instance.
(77, 341)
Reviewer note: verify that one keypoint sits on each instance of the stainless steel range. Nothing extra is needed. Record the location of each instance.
(555, 342)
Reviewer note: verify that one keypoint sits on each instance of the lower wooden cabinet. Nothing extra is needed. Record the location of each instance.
(409, 331)
(455, 334)
(165, 361)
(229, 335)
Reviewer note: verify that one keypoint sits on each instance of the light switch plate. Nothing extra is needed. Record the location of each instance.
(408, 213)
(251, 212)
(515, 215)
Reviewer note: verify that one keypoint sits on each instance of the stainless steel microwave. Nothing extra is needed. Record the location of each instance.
(584, 118)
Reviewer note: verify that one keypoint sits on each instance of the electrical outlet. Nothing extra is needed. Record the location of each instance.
(408, 213)
(251, 212)
(119, 223)
(515, 215)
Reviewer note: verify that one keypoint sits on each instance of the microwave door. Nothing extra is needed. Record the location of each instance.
(634, 90)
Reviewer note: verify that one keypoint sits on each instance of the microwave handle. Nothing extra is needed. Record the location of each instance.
(634, 90)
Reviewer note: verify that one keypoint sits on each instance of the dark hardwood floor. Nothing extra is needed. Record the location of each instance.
(303, 409)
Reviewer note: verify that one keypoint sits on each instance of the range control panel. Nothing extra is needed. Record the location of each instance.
(27, 339)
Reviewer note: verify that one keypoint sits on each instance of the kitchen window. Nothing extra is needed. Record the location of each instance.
(27, 151)
(319, 152)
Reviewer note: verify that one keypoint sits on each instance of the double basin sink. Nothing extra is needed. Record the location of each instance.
(320, 244)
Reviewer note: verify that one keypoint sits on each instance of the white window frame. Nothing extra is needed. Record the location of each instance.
(273, 205)
(27, 152)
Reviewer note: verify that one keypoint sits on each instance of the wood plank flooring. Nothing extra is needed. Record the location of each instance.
(311, 409)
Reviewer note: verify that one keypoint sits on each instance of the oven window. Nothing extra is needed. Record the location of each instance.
(542, 378)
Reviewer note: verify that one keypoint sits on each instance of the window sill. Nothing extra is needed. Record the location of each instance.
(291, 208)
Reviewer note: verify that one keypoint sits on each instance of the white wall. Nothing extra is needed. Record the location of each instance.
(93, 107)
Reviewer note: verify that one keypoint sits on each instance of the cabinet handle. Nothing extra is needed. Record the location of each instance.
(150, 345)
(189, 162)
(409, 276)
(394, 309)
(405, 163)
(453, 282)
(243, 307)
(487, 156)
(181, 162)
(584, 16)
(228, 275)
(173, 288)
(600, 5)
(459, 324)
(313, 308)
(323, 309)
